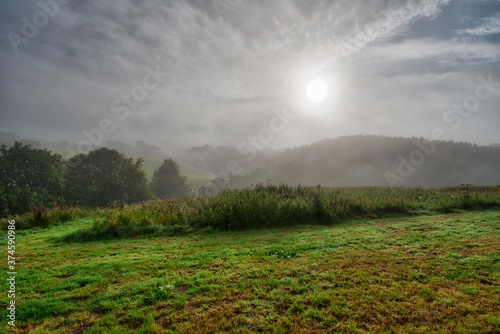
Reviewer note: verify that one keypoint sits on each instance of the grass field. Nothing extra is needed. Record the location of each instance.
(422, 274)
(196, 177)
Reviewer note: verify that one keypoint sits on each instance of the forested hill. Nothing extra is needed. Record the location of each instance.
(138, 150)
(359, 161)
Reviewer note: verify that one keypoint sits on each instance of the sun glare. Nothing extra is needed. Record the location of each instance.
(317, 91)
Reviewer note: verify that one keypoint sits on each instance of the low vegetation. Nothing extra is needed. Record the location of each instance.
(42, 218)
(281, 206)
(434, 273)
(265, 259)
(264, 207)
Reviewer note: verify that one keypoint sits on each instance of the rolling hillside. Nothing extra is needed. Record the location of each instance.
(360, 161)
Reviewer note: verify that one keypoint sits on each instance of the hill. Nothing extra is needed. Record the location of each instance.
(345, 161)
(359, 161)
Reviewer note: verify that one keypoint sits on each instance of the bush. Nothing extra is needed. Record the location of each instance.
(165, 217)
(43, 217)
(276, 206)
(249, 209)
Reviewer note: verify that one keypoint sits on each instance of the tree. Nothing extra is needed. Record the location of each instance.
(29, 178)
(105, 176)
(167, 181)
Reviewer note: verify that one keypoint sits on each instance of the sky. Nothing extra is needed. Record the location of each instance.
(179, 74)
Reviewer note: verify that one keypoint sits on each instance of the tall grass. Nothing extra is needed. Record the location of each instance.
(167, 217)
(43, 217)
(280, 206)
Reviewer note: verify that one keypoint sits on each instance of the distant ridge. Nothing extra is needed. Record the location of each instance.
(362, 160)
(139, 150)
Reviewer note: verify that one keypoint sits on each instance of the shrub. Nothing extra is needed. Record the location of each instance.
(43, 217)
(275, 206)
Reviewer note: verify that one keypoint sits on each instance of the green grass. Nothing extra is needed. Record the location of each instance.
(149, 166)
(279, 206)
(196, 177)
(43, 217)
(419, 274)
(268, 259)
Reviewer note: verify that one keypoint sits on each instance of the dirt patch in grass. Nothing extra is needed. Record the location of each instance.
(428, 228)
(480, 247)
(81, 329)
(64, 276)
(180, 289)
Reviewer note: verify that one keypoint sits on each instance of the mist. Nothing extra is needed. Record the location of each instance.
(224, 87)
(182, 74)
(310, 166)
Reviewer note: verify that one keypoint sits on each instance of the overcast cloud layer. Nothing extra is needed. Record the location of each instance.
(395, 68)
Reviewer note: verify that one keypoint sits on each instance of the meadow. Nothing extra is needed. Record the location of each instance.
(267, 259)
(197, 177)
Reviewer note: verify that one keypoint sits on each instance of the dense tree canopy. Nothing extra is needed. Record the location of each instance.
(29, 178)
(167, 181)
(103, 177)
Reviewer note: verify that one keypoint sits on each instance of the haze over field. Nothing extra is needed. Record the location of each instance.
(247, 166)
(178, 74)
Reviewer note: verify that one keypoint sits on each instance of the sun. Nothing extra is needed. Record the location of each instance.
(317, 91)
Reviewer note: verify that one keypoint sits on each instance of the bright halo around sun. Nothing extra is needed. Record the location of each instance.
(317, 91)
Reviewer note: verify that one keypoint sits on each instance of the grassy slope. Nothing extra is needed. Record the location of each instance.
(196, 177)
(423, 274)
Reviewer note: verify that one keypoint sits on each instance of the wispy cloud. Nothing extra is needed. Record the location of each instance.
(227, 72)
(488, 26)
(449, 52)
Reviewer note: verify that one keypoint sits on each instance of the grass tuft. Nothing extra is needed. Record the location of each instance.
(279, 206)
(282, 254)
(43, 218)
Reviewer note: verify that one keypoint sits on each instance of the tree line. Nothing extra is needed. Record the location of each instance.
(35, 178)
(361, 160)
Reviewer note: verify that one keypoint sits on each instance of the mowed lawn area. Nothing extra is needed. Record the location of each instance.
(422, 274)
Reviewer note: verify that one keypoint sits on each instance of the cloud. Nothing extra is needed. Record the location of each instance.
(229, 58)
(450, 52)
(488, 26)
(228, 71)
